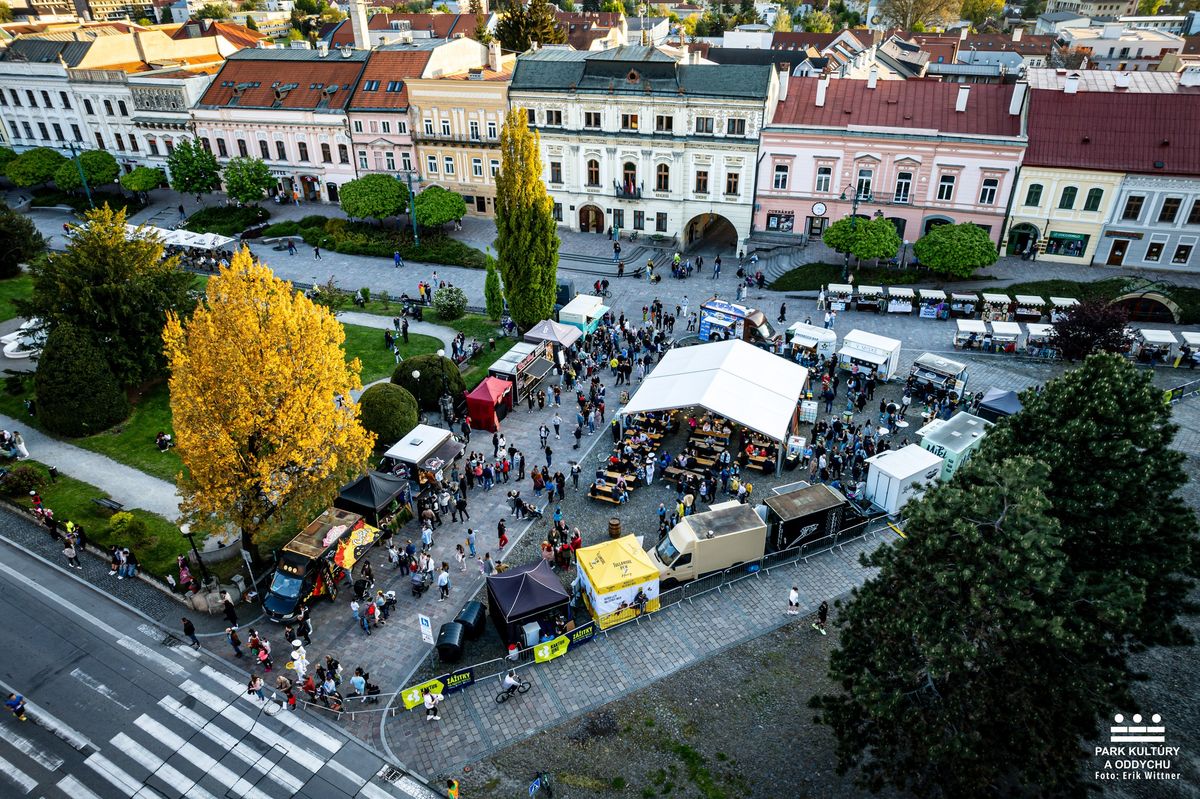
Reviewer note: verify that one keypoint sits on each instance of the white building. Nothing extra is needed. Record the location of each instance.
(1114, 46)
(633, 138)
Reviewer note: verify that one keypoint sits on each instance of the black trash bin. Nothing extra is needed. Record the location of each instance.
(450, 642)
(472, 618)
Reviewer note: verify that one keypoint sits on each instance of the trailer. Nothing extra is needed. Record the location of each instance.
(796, 516)
(898, 475)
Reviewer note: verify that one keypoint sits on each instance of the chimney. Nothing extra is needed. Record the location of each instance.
(822, 87)
(1071, 85)
(872, 77)
(347, 51)
(960, 103)
(962, 34)
(784, 75)
(1018, 32)
(494, 56)
(358, 24)
(322, 49)
(683, 54)
(1018, 98)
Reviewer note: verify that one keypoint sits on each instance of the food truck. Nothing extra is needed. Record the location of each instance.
(938, 373)
(583, 312)
(424, 455)
(799, 513)
(838, 296)
(1007, 337)
(1154, 346)
(933, 304)
(870, 298)
(1029, 308)
(728, 534)
(900, 299)
(812, 341)
(720, 320)
(963, 305)
(969, 334)
(896, 476)
(525, 365)
(870, 351)
(1059, 307)
(953, 440)
(995, 306)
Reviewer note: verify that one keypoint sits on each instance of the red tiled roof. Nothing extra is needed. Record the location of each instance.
(387, 66)
(443, 25)
(1115, 131)
(312, 76)
(601, 19)
(900, 104)
(798, 40)
(237, 35)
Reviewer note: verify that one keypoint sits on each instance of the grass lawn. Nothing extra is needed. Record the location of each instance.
(13, 289)
(815, 276)
(72, 499)
(366, 344)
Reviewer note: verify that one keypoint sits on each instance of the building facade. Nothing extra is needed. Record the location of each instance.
(632, 139)
(1154, 223)
(919, 153)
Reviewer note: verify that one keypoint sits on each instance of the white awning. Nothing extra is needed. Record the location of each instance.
(1063, 302)
(420, 442)
(810, 335)
(1006, 330)
(1191, 338)
(870, 291)
(733, 379)
(1029, 301)
(969, 326)
(932, 295)
(964, 297)
(1158, 336)
(1039, 331)
(996, 299)
(901, 292)
(839, 288)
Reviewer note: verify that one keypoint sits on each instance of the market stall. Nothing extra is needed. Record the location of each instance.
(995, 306)
(998, 403)
(870, 351)
(933, 304)
(611, 577)
(1154, 346)
(1029, 308)
(525, 601)
(931, 371)
(1007, 337)
(896, 476)
(869, 298)
(954, 439)
(969, 334)
(838, 296)
(810, 341)
(583, 312)
(558, 336)
(1059, 307)
(372, 496)
(900, 299)
(525, 365)
(1038, 340)
(963, 305)
(489, 403)
(423, 455)
(1190, 349)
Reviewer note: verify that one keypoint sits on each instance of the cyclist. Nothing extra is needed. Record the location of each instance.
(510, 683)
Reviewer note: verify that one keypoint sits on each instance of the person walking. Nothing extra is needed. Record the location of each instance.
(460, 505)
(234, 641)
(793, 601)
(230, 613)
(822, 615)
(783, 312)
(397, 260)
(316, 253)
(502, 533)
(431, 701)
(16, 703)
(461, 556)
(291, 247)
(18, 443)
(255, 686)
(471, 541)
(557, 422)
(189, 630)
(549, 456)
(443, 583)
(71, 555)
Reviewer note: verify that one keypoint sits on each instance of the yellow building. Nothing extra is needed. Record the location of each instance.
(455, 122)
(1060, 212)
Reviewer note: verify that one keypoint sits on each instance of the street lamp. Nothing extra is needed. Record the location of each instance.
(412, 216)
(856, 197)
(83, 178)
(446, 402)
(186, 530)
(904, 254)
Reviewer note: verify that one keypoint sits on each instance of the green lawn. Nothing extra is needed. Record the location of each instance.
(15, 288)
(815, 276)
(71, 499)
(366, 344)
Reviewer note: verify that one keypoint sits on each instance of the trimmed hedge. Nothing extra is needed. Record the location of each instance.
(362, 238)
(77, 392)
(436, 373)
(389, 412)
(226, 220)
(288, 228)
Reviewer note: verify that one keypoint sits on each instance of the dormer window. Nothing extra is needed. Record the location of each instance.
(633, 76)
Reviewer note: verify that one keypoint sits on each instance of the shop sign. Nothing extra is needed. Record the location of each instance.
(582, 634)
(458, 680)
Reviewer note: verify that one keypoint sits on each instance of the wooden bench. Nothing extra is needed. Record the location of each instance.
(675, 473)
(759, 462)
(706, 461)
(630, 479)
(110, 505)
(607, 493)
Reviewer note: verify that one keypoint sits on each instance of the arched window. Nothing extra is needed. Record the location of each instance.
(662, 178)
(1033, 196)
(593, 172)
(1067, 200)
(629, 174)
(1092, 203)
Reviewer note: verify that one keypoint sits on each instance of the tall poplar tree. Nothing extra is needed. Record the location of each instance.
(526, 234)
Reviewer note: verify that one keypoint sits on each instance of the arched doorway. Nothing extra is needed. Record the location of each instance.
(1022, 239)
(900, 224)
(935, 221)
(1149, 307)
(591, 219)
(710, 231)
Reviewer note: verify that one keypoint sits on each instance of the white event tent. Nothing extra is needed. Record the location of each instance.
(739, 381)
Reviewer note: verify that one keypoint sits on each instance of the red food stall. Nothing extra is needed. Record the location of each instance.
(489, 403)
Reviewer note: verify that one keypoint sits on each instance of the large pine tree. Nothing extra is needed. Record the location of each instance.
(526, 234)
(523, 24)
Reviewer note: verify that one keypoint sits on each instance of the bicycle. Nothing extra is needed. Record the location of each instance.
(520, 688)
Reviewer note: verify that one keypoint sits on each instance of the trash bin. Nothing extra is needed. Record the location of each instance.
(450, 642)
(472, 618)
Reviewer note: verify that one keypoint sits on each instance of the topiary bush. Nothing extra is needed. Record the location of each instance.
(23, 479)
(450, 303)
(388, 411)
(438, 373)
(226, 220)
(288, 228)
(77, 392)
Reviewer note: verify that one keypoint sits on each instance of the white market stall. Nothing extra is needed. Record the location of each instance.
(1029, 308)
(812, 340)
(995, 306)
(963, 305)
(424, 454)
(837, 296)
(898, 475)
(1191, 342)
(969, 333)
(1059, 307)
(900, 299)
(953, 440)
(1037, 340)
(870, 351)
(583, 312)
(869, 298)
(933, 303)
(1007, 337)
(1154, 346)
(938, 373)
(610, 576)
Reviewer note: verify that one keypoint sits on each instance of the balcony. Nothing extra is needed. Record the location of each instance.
(627, 191)
(461, 139)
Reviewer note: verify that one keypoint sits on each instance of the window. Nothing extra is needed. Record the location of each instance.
(662, 178)
(119, 138)
(593, 172)
(133, 142)
(618, 218)
(591, 120)
(494, 166)
(639, 220)
(87, 106)
(629, 174)
(1154, 251)
(385, 126)
(781, 176)
(406, 162)
(263, 150)
(704, 124)
(554, 117)
(153, 145)
(987, 194)
(1067, 200)
(171, 146)
(1033, 195)
(120, 106)
(1169, 210)
(428, 127)
(702, 181)
(46, 99)
(903, 186)
(281, 150)
(660, 222)
(448, 165)
(108, 109)
(326, 153)
(389, 159)
(29, 135)
(1194, 216)
(477, 167)
(206, 145)
(58, 133)
(221, 150)
(343, 154)
(1092, 202)
(531, 115)
(664, 123)
(3, 100)
(431, 164)
(46, 134)
(362, 159)
(78, 135)
(491, 130)
(33, 100)
(242, 150)
(629, 121)
(731, 183)
(302, 149)
(1182, 253)
(824, 178)
(473, 126)
(946, 188)
(866, 176)
(1133, 208)
(445, 127)
(558, 212)
(556, 172)
(735, 127)
(371, 86)
(358, 128)
(65, 98)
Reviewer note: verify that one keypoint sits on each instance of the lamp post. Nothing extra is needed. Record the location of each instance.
(412, 214)
(83, 178)
(186, 530)
(904, 255)
(446, 401)
(856, 198)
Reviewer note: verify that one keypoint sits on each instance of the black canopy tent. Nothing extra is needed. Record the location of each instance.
(997, 403)
(372, 494)
(524, 594)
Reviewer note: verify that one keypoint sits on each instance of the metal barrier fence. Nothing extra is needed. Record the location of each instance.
(525, 658)
(1173, 395)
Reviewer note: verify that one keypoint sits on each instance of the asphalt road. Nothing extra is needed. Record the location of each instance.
(117, 708)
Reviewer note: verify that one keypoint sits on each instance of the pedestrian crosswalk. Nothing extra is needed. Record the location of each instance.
(208, 739)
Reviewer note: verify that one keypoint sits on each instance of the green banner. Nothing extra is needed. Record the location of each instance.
(551, 649)
(415, 695)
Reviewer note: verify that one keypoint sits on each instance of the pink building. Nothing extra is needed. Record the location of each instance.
(918, 152)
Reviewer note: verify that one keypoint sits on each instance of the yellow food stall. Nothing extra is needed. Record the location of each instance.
(611, 574)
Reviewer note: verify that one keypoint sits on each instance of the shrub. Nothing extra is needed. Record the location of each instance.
(77, 392)
(130, 531)
(364, 238)
(288, 228)
(23, 479)
(226, 220)
(388, 411)
(313, 220)
(450, 303)
(437, 374)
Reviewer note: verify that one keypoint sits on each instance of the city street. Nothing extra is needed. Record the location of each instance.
(118, 708)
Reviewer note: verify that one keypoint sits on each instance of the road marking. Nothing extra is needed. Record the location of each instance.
(98, 687)
(198, 758)
(150, 631)
(159, 768)
(117, 776)
(27, 748)
(357, 779)
(76, 789)
(246, 754)
(22, 780)
(311, 733)
(45, 719)
(162, 661)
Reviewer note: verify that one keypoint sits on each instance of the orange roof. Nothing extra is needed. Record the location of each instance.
(602, 19)
(237, 35)
(443, 25)
(386, 70)
(287, 79)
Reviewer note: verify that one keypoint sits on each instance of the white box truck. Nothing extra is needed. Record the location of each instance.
(727, 535)
(898, 475)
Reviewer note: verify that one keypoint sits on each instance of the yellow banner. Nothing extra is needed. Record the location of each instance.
(415, 696)
(551, 649)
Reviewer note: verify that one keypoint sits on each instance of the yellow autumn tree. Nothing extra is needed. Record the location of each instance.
(258, 374)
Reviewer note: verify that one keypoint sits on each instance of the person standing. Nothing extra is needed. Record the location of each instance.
(793, 601)
(549, 456)
(234, 641)
(460, 505)
(822, 615)
(443, 582)
(19, 443)
(71, 555)
(557, 422)
(471, 541)
(575, 470)
(230, 612)
(189, 630)
(397, 260)
(316, 253)
(255, 686)
(783, 312)
(502, 533)
(452, 789)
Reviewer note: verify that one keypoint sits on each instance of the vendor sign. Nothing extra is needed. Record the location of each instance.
(550, 650)
(415, 695)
